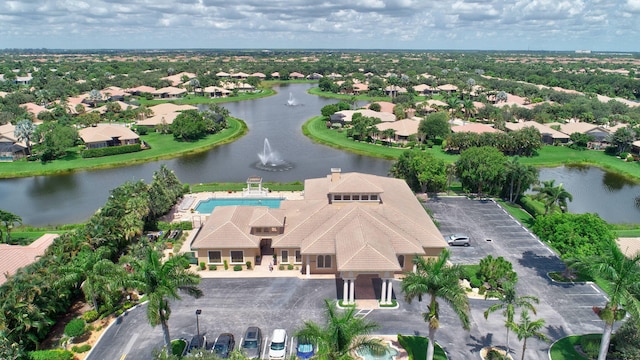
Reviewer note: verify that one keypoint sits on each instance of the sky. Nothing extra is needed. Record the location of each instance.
(553, 25)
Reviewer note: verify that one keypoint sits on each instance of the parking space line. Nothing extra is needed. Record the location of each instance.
(362, 313)
(264, 348)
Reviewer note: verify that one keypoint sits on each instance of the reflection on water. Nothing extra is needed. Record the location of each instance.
(597, 191)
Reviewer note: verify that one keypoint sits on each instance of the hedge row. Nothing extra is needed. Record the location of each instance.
(531, 206)
(111, 150)
(51, 355)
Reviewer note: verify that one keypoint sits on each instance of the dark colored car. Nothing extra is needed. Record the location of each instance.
(305, 349)
(224, 345)
(252, 342)
(197, 343)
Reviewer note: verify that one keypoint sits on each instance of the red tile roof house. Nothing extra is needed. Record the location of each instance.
(14, 257)
(403, 129)
(105, 135)
(475, 128)
(549, 135)
(354, 226)
(343, 117)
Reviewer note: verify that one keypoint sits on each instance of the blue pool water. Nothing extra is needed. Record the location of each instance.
(206, 207)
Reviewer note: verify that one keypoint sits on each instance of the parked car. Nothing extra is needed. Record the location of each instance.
(458, 239)
(305, 349)
(278, 347)
(224, 345)
(252, 342)
(197, 342)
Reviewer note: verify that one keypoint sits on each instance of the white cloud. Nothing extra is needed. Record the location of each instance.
(455, 24)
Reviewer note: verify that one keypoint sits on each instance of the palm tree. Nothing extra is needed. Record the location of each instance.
(435, 278)
(453, 105)
(342, 334)
(8, 220)
(509, 302)
(519, 176)
(622, 274)
(97, 275)
(161, 282)
(24, 132)
(469, 108)
(94, 96)
(553, 196)
(526, 329)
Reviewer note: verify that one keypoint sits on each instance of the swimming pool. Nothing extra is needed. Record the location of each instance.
(389, 354)
(207, 206)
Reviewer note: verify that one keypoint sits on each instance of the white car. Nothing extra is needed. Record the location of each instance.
(278, 347)
(458, 239)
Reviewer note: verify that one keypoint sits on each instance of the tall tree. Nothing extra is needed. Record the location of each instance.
(421, 170)
(526, 329)
(342, 334)
(435, 125)
(519, 178)
(162, 282)
(508, 303)
(438, 280)
(553, 196)
(481, 170)
(8, 220)
(622, 275)
(24, 132)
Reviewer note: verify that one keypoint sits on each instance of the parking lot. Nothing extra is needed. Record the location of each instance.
(231, 305)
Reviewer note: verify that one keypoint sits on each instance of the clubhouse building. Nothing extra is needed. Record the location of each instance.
(348, 224)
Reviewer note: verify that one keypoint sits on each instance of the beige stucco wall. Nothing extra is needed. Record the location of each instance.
(248, 255)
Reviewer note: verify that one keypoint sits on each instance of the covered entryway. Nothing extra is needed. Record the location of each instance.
(367, 287)
(265, 250)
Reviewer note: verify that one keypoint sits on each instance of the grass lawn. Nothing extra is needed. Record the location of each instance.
(194, 99)
(416, 347)
(162, 147)
(517, 212)
(316, 129)
(564, 349)
(211, 187)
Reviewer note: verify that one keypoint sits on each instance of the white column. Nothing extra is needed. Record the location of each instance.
(383, 292)
(345, 291)
(415, 268)
(352, 291)
(389, 291)
(308, 272)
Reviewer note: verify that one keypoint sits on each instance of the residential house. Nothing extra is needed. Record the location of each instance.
(138, 90)
(105, 135)
(215, 91)
(14, 257)
(296, 76)
(10, 148)
(403, 129)
(549, 135)
(598, 132)
(475, 128)
(176, 79)
(169, 92)
(424, 89)
(352, 225)
(259, 75)
(448, 88)
(343, 117)
(394, 90)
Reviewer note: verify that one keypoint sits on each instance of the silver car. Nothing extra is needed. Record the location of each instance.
(458, 239)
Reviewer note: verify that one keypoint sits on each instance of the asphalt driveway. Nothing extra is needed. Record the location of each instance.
(231, 305)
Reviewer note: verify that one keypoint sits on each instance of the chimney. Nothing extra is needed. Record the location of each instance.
(335, 174)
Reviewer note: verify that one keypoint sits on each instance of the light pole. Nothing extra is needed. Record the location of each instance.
(198, 312)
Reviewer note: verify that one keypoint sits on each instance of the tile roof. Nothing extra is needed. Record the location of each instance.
(13, 257)
(106, 132)
(475, 128)
(542, 128)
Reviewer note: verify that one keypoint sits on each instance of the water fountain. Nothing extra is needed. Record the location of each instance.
(270, 160)
(292, 100)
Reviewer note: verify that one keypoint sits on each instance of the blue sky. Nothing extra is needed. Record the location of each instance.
(598, 25)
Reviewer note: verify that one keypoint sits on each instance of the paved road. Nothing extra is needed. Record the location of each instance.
(231, 305)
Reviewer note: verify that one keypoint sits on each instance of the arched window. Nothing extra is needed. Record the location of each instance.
(401, 260)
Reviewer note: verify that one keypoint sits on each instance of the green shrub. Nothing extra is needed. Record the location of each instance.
(624, 155)
(57, 354)
(203, 265)
(226, 265)
(290, 267)
(90, 316)
(625, 343)
(141, 130)
(533, 207)
(248, 263)
(590, 346)
(111, 150)
(213, 267)
(482, 290)
(237, 268)
(281, 267)
(80, 349)
(494, 354)
(75, 328)
(496, 272)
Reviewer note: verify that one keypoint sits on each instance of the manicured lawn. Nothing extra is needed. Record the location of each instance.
(316, 129)
(198, 99)
(294, 186)
(564, 349)
(162, 147)
(517, 212)
(416, 347)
